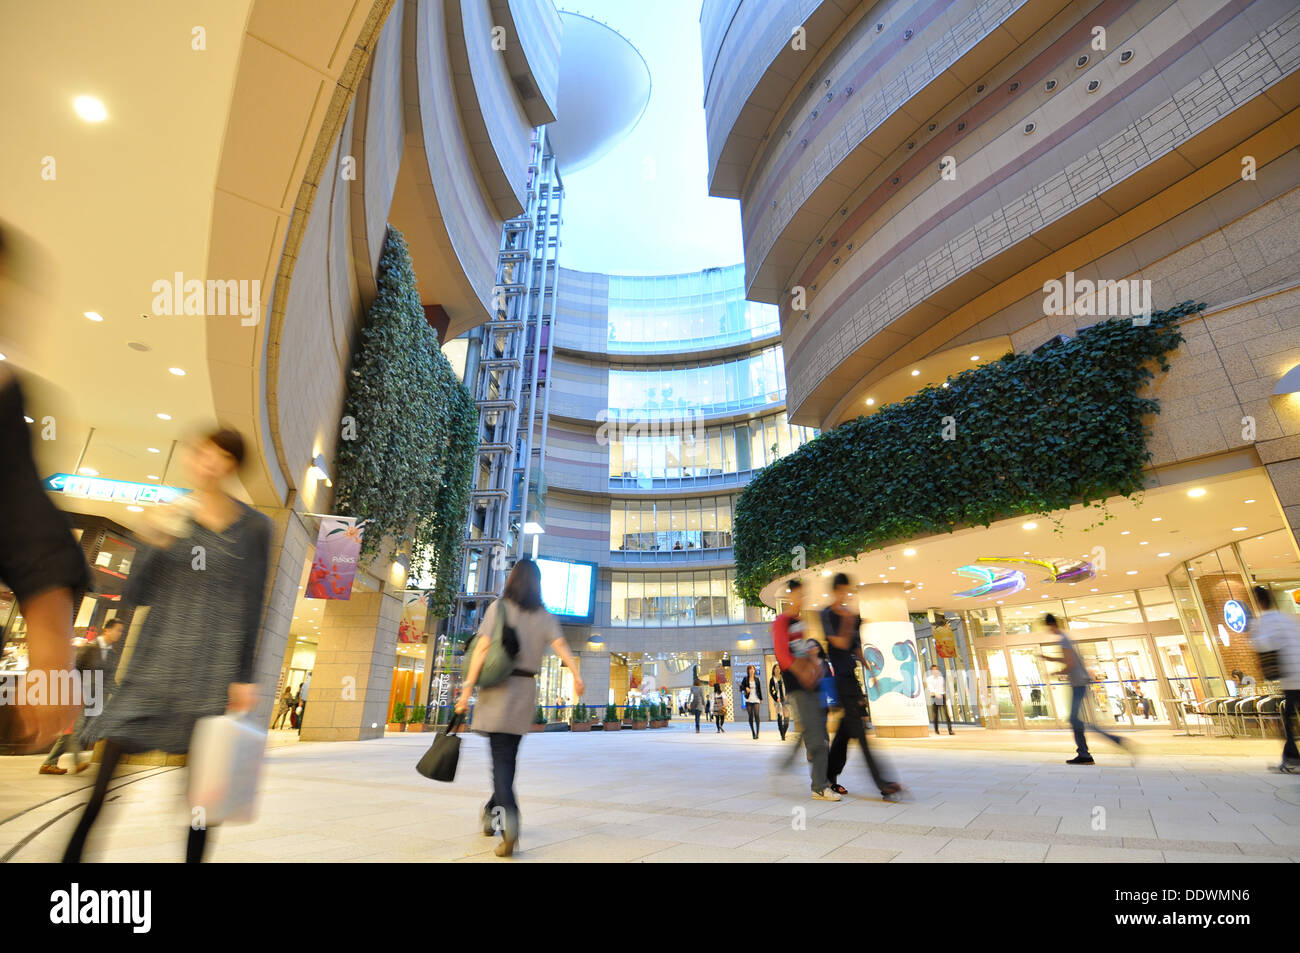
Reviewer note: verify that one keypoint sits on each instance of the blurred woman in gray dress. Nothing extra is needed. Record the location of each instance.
(203, 575)
(504, 712)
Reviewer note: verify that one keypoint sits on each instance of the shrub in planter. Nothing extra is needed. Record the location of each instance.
(581, 720)
(416, 718)
(611, 718)
(399, 717)
(539, 719)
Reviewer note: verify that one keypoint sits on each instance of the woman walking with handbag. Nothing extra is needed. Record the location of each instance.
(697, 703)
(719, 708)
(504, 711)
(776, 688)
(194, 654)
(751, 690)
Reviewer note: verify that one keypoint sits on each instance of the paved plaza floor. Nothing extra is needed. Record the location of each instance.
(673, 795)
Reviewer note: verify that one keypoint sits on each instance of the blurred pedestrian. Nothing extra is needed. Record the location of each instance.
(504, 712)
(698, 702)
(719, 707)
(801, 669)
(1278, 632)
(194, 655)
(1079, 679)
(840, 623)
(286, 705)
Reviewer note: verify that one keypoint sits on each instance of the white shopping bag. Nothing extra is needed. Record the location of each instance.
(225, 764)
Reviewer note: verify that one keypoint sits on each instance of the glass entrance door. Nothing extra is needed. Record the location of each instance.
(1140, 682)
(1032, 686)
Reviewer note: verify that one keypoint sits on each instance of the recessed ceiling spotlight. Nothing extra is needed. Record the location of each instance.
(153, 449)
(1156, 519)
(1239, 529)
(176, 370)
(1125, 532)
(1196, 491)
(974, 357)
(916, 373)
(1131, 572)
(90, 109)
(93, 315)
(88, 471)
(164, 416)
(1144, 543)
(1029, 525)
(909, 552)
(1248, 501)
(871, 401)
(1164, 554)
(152, 476)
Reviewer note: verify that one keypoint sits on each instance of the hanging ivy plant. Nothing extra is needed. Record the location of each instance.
(1028, 434)
(409, 468)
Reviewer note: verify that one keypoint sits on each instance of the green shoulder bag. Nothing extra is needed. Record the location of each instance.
(499, 661)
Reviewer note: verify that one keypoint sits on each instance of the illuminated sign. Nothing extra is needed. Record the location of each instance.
(111, 491)
(1234, 613)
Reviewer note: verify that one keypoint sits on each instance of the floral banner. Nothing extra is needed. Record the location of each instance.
(415, 614)
(335, 565)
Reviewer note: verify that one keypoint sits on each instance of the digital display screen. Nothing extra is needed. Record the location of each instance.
(568, 588)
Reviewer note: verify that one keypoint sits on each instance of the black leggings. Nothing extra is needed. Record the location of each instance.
(112, 756)
(752, 708)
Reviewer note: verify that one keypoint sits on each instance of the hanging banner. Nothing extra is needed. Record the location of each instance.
(945, 642)
(337, 547)
(415, 614)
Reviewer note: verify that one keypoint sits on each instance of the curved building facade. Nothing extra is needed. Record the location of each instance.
(919, 180)
(667, 394)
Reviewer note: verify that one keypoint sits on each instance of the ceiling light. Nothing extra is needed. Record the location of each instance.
(1144, 543)
(974, 357)
(152, 476)
(1239, 529)
(153, 449)
(1198, 491)
(1164, 554)
(1125, 532)
(945, 385)
(1131, 572)
(871, 401)
(90, 109)
(135, 509)
(1156, 519)
(909, 552)
(88, 471)
(177, 371)
(2, 357)
(1092, 590)
(1248, 501)
(28, 419)
(93, 315)
(1030, 525)
(163, 416)
(916, 373)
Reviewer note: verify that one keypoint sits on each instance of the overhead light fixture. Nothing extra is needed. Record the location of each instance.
(93, 315)
(1248, 501)
(176, 370)
(90, 109)
(916, 373)
(1131, 572)
(1156, 519)
(909, 552)
(1164, 554)
(974, 357)
(317, 470)
(153, 449)
(88, 471)
(1196, 491)
(152, 476)
(135, 509)
(1239, 529)
(1029, 525)
(871, 401)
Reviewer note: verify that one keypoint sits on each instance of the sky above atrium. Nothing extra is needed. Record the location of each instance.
(644, 209)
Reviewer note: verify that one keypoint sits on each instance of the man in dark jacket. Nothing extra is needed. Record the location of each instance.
(99, 655)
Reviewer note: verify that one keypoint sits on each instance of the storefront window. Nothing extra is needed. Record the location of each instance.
(658, 599)
(1032, 685)
(1270, 561)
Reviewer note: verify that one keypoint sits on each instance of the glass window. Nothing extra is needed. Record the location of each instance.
(618, 599)
(635, 600)
(617, 526)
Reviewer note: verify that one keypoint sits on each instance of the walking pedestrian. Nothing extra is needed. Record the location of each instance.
(286, 705)
(719, 707)
(194, 656)
(97, 656)
(840, 623)
(302, 701)
(937, 686)
(1278, 632)
(504, 712)
(1079, 679)
(776, 690)
(752, 691)
(801, 670)
(698, 702)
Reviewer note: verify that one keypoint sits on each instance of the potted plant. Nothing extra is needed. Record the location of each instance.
(658, 716)
(416, 718)
(399, 717)
(611, 718)
(639, 716)
(581, 722)
(539, 719)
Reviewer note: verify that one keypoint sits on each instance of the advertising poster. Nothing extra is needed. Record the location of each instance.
(415, 613)
(945, 642)
(338, 545)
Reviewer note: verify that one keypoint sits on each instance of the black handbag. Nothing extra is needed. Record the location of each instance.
(439, 762)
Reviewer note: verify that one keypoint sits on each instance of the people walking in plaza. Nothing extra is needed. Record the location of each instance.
(776, 691)
(840, 623)
(1278, 632)
(96, 656)
(719, 707)
(302, 701)
(937, 686)
(1079, 679)
(698, 702)
(752, 691)
(194, 655)
(504, 712)
(287, 702)
(801, 671)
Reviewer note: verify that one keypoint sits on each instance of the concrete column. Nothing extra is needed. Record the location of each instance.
(595, 679)
(353, 674)
(895, 682)
(290, 544)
